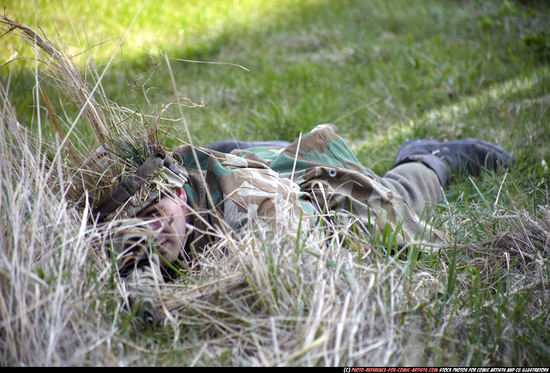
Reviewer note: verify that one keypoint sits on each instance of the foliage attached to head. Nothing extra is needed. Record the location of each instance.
(126, 166)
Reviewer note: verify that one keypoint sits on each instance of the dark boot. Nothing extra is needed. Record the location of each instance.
(466, 156)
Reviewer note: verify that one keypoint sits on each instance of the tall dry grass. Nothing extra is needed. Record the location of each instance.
(270, 298)
(47, 271)
(269, 301)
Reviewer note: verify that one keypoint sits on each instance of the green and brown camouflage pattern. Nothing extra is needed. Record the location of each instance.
(316, 177)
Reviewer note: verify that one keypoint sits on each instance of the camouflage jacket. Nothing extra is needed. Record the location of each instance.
(316, 177)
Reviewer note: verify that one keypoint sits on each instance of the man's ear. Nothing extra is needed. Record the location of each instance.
(180, 193)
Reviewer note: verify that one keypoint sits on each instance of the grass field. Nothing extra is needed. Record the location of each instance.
(383, 72)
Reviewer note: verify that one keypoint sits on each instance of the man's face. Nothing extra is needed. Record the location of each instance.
(168, 217)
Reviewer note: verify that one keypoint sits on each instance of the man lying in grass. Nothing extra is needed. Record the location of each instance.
(176, 205)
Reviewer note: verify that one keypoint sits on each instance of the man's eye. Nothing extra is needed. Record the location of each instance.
(156, 213)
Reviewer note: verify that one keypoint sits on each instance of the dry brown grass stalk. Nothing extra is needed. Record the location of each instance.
(65, 75)
(44, 249)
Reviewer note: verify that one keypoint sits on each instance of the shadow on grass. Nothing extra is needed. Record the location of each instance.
(366, 66)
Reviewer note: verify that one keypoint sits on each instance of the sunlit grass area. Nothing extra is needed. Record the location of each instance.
(155, 26)
(384, 71)
(364, 65)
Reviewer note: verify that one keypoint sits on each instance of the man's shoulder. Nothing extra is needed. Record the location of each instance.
(188, 156)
